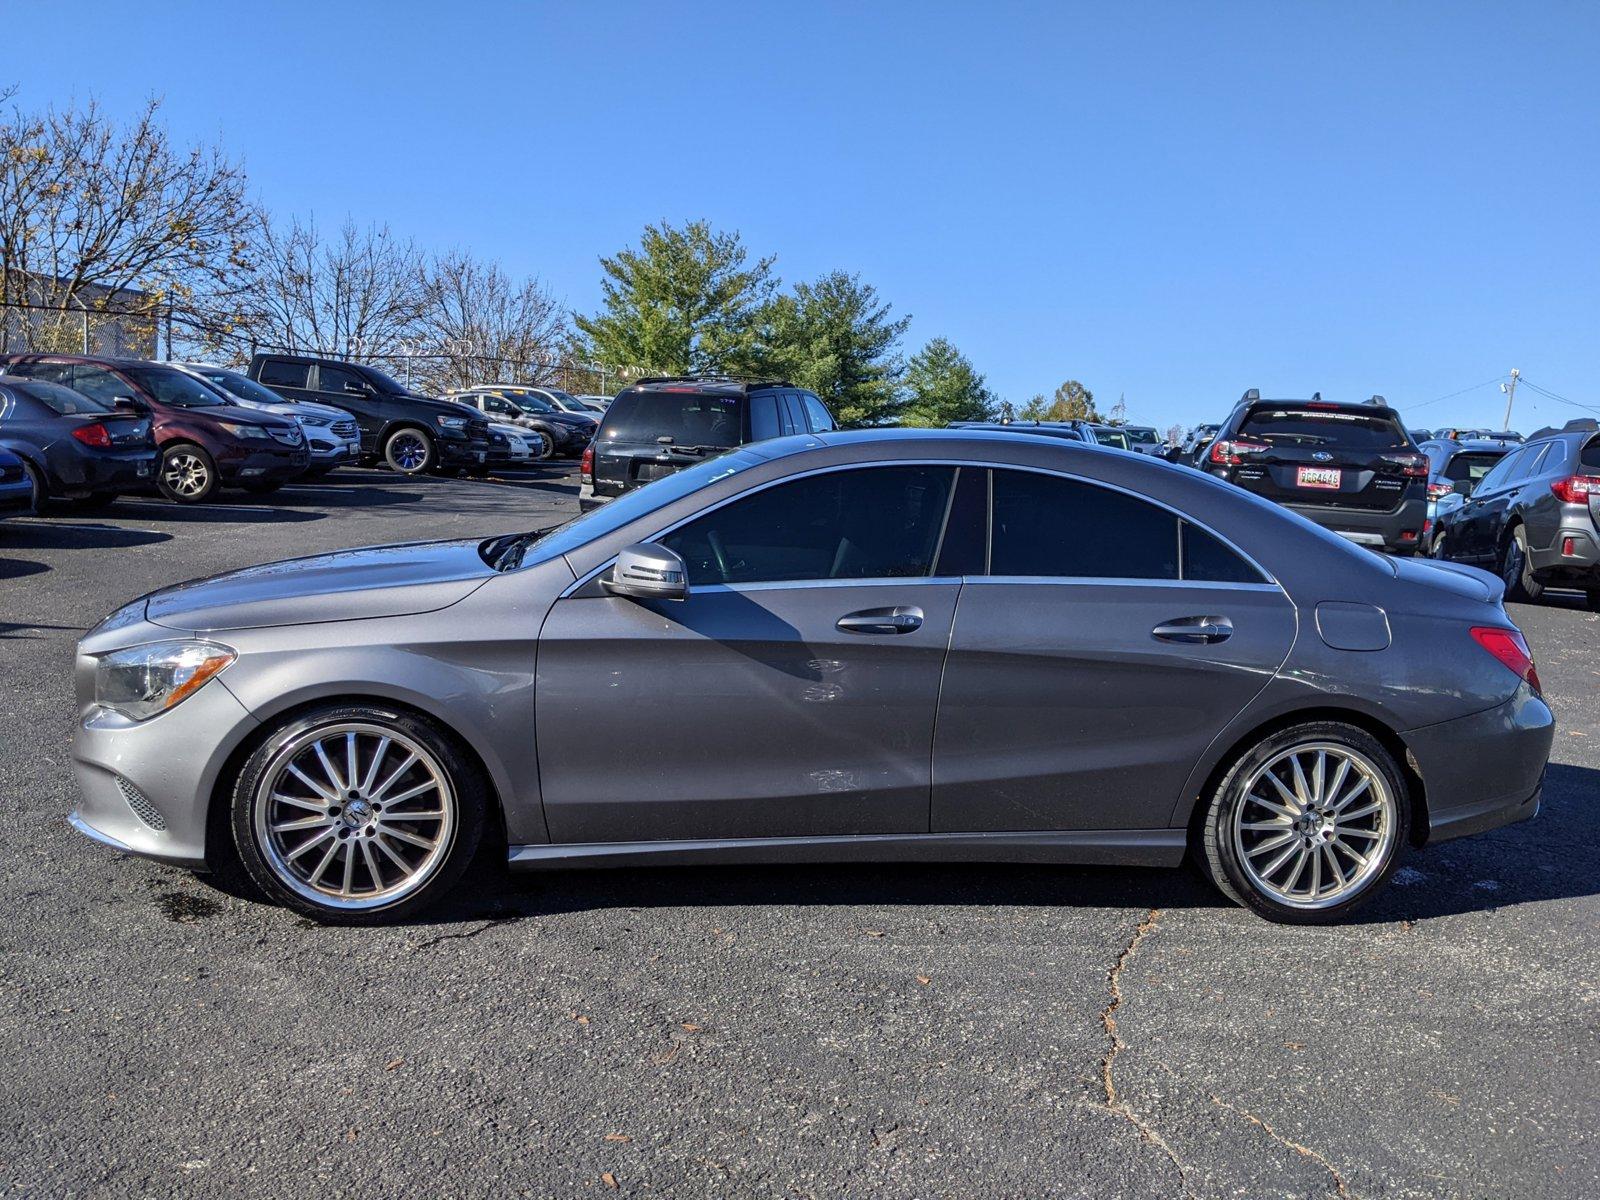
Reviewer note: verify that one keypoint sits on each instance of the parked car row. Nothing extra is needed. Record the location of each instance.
(82, 430)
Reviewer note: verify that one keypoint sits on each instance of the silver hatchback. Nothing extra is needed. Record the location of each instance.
(955, 645)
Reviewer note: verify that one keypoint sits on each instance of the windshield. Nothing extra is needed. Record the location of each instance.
(510, 552)
(171, 386)
(528, 402)
(1324, 427)
(566, 401)
(675, 418)
(240, 385)
(1142, 436)
(1108, 436)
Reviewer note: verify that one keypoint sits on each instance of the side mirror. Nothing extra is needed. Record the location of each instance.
(129, 404)
(1462, 487)
(648, 572)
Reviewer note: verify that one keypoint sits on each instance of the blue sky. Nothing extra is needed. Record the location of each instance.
(1174, 202)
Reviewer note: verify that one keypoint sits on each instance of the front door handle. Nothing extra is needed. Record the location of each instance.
(1197, 631)
(902, 618)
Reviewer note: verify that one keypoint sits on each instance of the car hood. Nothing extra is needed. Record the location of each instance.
(1467, 582)
(237, 414)
(349, 585)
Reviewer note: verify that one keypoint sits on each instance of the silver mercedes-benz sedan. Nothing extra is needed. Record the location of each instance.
(956, 645)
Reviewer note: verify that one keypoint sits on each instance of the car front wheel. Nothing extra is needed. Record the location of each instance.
(409, 451)
(188, 474)
(1307, 824)
(354, 814)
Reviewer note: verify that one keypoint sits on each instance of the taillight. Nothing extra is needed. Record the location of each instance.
(1575, 489)
(1232, 453)
(1438, 490)
(586, 466)
(93, 434)
(1413, 466)
(1507, 646)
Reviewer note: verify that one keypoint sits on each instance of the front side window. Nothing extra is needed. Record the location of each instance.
(821, 421)
(1501, 472)
(868, 523)
(1043, 525)
(174, 387)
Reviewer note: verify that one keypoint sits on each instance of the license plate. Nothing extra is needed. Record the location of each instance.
(1318, 477)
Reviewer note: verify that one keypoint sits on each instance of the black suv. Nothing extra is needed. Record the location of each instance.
(1455, 468)
(411, 432)
(1534, 517)
(659, 426)
(1351, 468)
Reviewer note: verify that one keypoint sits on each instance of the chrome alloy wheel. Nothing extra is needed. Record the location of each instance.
(185, 474)
(1316, 825)
(354, 815)
(409, 451)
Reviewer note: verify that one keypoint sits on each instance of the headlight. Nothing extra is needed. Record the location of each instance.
(143, 681)
(245, 431)
(453, 422)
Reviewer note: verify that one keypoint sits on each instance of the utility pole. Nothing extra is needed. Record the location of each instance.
(1510, 389)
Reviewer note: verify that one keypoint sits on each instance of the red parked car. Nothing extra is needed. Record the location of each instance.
(206, 441)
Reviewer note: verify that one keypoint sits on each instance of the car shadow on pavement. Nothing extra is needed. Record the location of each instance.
(230, 510)
(16, 568)
(55, 533)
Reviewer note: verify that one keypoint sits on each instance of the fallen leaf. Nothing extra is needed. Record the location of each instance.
(924, 980)
(618, 1137)
(691, 1027)
(579, 1017)
(393, 1063)
(873, 932)
(610, 1180)
(351, 1134)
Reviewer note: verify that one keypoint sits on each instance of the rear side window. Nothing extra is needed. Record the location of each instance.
(277, 373)
(1589, 458)
(821, 421)
(763, 416)
(1207, 560)
(334, 379)
(688, 418)
(1044, 525)
(1289, 426)
(868, 523)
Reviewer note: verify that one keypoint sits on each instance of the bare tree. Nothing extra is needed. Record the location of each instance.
(359, 293)
(487, 328)
(98, 216)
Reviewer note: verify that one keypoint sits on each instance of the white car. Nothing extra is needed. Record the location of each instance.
(526, 445)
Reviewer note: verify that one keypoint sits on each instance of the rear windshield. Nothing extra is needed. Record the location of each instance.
(1472, 465)
(1324, 427)
(61, 399)
(1589, 459)
(688, 418)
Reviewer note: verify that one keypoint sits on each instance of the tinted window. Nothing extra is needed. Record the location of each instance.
(1501, 471)
(871, 523)
(1472, 465)
(1528, 462)
(1045, 525)
(335, 379)
(97, 383)
(238, 385)
(820, 420)
(763, 416)
(1324, 427)
(792, 412)
(174, 387)
(1589, 459)
(1207, 560)
(688, 418)
(60, 399)
(277, 373)
(965, 549)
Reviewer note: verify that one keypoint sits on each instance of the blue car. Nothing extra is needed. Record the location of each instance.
(16, 489)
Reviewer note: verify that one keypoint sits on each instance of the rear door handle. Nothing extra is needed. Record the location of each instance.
(903, 618)
(1198, 631)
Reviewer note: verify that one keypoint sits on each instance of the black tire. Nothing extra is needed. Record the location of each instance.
(266, 862)
(544, 446)
(1436, 550)
(1522, 586)
(187, 474)
(1218, 853)
(410, 450)
(263, 487)
(40, 496)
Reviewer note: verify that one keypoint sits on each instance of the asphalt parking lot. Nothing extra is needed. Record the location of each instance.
(958, 1031)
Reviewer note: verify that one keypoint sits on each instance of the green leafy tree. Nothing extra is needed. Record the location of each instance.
(836, 336)
(687, 301)
(941, 386)
(1073, 402)
(1036, 409)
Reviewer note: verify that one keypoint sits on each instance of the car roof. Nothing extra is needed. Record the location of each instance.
(705, 385)
(1477, 445)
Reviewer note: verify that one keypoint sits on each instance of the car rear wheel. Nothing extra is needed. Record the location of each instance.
(409, 451)
(1517, 571)
(1307, 824)
(188, 474)
(354, 814)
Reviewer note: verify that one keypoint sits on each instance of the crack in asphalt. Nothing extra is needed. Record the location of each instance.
(454, 937)
(1339, 1183)
(1108, 1020)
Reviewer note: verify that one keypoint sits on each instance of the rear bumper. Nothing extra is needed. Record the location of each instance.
(1486, 770)
(1377, 529)
(589, 500)
(1582, 565)
(120, 472)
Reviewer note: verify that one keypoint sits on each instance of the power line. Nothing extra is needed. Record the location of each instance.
(1453, 395)
(1548, 394)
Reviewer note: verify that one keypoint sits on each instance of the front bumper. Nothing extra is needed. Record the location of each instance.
(144, 787)
(462, 453)
(264, 465)
(1486, 770)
